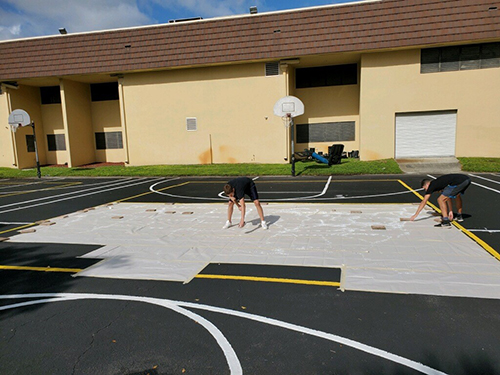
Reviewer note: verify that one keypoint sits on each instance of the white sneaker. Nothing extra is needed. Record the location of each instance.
(227, 225)
(263, 225)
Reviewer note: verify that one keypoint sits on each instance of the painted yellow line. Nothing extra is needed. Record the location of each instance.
(39, 269)
(18, 228)
(269, 280)
(480, 242)
(151, 192)
(471, 235)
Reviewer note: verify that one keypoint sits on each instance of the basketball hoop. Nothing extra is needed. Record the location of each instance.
(17, 118)
(288, 108)
(14, 127)
(287, 120)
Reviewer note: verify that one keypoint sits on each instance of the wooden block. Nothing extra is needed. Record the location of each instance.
(47, 223)
(356, 212)
(29, 230)
(2, 239)
(404, 219)
(151, 210)
(188, 213)
(117, 217)
(170, 212)
(378, 227)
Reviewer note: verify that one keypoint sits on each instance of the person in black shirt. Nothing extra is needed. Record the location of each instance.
(450, 186)
(236, 189)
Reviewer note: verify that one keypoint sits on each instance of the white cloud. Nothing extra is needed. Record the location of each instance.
(22, 18)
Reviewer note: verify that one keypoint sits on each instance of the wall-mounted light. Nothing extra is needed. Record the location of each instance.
(63, 31)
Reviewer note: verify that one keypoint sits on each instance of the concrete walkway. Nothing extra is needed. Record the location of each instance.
(430, 165)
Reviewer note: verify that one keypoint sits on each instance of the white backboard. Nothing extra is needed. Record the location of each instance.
(289, 105)
(19, 117)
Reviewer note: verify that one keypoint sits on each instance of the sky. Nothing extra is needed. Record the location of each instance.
(32, 18)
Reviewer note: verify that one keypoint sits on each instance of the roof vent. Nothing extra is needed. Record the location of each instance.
(191, 124)
(186, 19)
(253, 10)
(272, 69)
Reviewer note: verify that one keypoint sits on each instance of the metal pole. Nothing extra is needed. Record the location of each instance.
(38, 173)
(292, 135)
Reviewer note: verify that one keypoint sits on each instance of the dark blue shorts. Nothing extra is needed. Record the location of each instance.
(452, 191)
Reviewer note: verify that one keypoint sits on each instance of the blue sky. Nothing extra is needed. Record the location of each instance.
(30, 18)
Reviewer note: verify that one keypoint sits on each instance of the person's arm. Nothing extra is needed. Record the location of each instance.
(421, 206)
(242, 207)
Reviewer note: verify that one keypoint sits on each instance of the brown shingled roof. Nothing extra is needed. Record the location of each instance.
(348, 28)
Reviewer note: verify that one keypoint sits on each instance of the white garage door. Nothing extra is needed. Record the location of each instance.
(425, 134)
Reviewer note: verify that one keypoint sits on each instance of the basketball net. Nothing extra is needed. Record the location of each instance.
(14, 127)
(287, 120)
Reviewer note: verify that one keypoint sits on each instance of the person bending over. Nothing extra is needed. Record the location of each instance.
(450, 186)
(236, 189)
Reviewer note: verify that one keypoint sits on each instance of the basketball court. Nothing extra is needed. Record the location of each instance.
(339, 283)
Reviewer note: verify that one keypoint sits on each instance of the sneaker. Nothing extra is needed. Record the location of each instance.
(444, 224)
(263, 225)
(227, 225)
(459, 218)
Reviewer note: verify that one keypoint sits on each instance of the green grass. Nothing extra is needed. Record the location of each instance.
(480, 164)
(302, 168)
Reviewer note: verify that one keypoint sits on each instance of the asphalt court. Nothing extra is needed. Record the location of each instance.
(251, 318)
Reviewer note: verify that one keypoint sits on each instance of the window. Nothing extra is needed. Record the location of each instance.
(56, 142)
(326, 132)
(449, 59)
(100, 92)
(50, 95)
(108, 140)
(30, 143)
(272, 69)
(334, 75)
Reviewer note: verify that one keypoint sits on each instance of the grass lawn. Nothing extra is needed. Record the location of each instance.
(302, 168)
(480, 164)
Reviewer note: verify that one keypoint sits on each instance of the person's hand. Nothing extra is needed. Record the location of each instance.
(241, 224)
(413, 217)
(450, 215)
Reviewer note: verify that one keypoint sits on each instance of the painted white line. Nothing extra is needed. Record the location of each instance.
(99, 186)
(484, 178)
(82, 195)
(231, 357)
(485, 230)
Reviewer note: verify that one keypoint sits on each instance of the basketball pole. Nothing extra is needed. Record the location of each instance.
(38, 173)
(292, 137)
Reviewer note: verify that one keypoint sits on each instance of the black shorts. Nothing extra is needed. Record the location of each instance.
(252, 192)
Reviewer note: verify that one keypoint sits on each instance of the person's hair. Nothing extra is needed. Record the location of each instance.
(424, 181)
(228, 189)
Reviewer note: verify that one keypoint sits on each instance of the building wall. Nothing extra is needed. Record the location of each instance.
(28, 98)
(106, 118)
(233, 106)
(391, 83)
(330, 104)
(53, 124)
(77, 117)
(6, 144)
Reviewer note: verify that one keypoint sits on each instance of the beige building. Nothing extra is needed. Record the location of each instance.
(390, 78)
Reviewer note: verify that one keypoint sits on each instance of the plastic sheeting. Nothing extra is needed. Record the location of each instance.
(175, 242)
